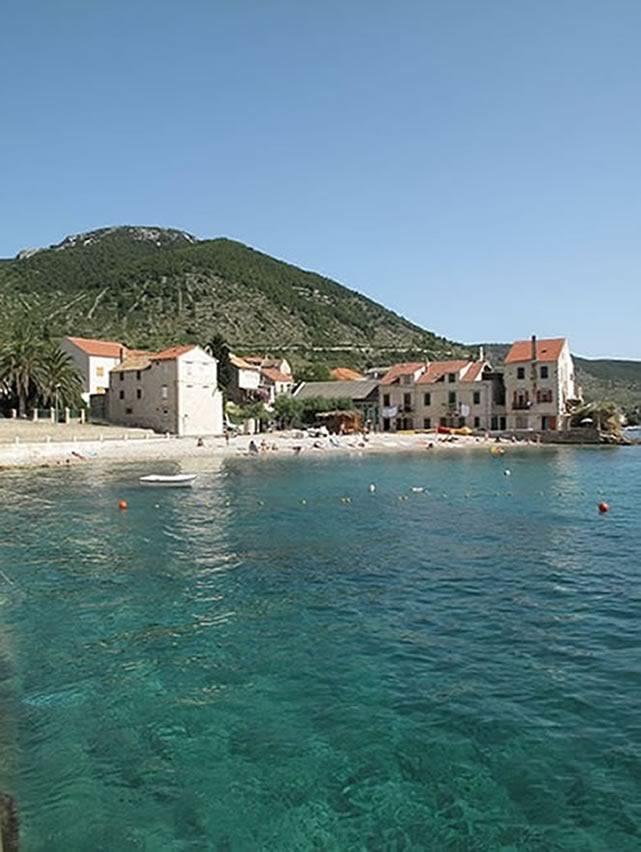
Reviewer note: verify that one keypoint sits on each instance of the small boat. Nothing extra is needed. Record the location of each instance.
(177, 480)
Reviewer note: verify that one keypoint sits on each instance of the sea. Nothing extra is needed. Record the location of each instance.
(437, 651)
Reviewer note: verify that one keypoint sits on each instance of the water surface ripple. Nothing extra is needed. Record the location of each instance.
(231, 668)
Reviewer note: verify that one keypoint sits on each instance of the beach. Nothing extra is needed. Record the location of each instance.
(110, 444)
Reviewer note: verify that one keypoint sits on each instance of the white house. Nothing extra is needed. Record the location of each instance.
(245, 380)
(540, 386)
(174, 391)
(94, 360)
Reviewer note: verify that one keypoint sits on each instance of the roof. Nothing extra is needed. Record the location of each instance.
(242, 363)
(346, 374)
(99, 348)
(546, 350)
(437, 369)
(134, 360)
(475, 371)
(173, 352)
(358, 390)
(398, 370)
(275, 375)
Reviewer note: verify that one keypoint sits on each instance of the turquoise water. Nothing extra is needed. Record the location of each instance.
(228, 668)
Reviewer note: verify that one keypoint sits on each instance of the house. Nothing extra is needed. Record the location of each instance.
(454, 393)
(275, 376)
(540, 384)
(362, 392)
(94, 359)
(245, 381)
(174, 391)
(397, 395)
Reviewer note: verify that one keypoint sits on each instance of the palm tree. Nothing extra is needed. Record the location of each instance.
(20, 365)
(59, 382)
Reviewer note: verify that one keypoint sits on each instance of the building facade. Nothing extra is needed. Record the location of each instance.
(173, 391)
(245, 381)
(363, 394)
(426, 395)
(540, 385)
(94, 360)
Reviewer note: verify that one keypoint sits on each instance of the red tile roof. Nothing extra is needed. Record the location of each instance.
(437, 369)
(398, 370)
(346, 374)
(546, 350)
(173, 352)
(99, 348)
(275, 375)
(475, 371)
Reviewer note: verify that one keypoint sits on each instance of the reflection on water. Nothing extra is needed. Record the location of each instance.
(229, 667)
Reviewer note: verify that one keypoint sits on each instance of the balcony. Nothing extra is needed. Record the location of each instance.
(522, 405)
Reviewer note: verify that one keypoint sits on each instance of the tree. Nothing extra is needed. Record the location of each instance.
(59, 382)
(314, 373)
(217, 347)
(20, 368)
(605, 415)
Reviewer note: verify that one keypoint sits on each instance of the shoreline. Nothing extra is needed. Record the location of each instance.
(281, 444)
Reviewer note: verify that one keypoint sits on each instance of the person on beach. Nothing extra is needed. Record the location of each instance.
(253, 449)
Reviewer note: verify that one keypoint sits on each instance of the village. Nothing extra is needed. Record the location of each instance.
(177, 391)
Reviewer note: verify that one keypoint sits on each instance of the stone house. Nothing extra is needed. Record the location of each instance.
(540, 384)
(245, 381)
(455, 393)
(173, 391)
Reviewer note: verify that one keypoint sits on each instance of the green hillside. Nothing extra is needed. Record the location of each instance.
(152, 286)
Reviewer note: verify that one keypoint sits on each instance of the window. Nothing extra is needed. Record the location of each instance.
(477, 422)
(427, 423)
(443, 421)
(129, 411)
(122, 377)
(520, 372)
(477, 397)
(451, 377)
(138, 375)
(427, 400)
(139, 393)
(545, 372)
(407, 380)
(544, 396)
(163, 392)
(386, 400)
(407, 401)
(100, 371)
(122, 393)
(451, 397)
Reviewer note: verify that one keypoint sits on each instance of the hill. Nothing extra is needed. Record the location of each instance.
(152, 286)
(604, 378)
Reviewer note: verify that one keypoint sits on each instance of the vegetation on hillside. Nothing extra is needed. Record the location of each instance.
(149, 292)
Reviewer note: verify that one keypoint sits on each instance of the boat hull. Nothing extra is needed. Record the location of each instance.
(183, 480)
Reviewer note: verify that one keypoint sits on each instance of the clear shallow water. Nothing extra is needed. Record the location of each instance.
(229, 669)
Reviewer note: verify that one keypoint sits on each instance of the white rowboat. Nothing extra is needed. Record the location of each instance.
(178, 480)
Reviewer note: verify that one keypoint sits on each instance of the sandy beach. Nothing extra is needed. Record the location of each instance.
(116, 447)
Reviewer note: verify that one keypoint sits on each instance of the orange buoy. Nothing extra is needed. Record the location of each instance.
(122, 505)
(603, 508)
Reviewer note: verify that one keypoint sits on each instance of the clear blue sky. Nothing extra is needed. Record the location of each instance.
(474, 165)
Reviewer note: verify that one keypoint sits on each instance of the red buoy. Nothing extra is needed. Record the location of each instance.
(122, 505)
(603, 508)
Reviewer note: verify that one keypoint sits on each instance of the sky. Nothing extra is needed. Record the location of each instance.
(474, 166)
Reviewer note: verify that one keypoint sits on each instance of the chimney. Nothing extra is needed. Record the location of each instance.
(481, 353)
(534, 347)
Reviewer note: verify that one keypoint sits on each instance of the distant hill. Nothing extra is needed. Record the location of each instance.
(604, 378)
(150, 286)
